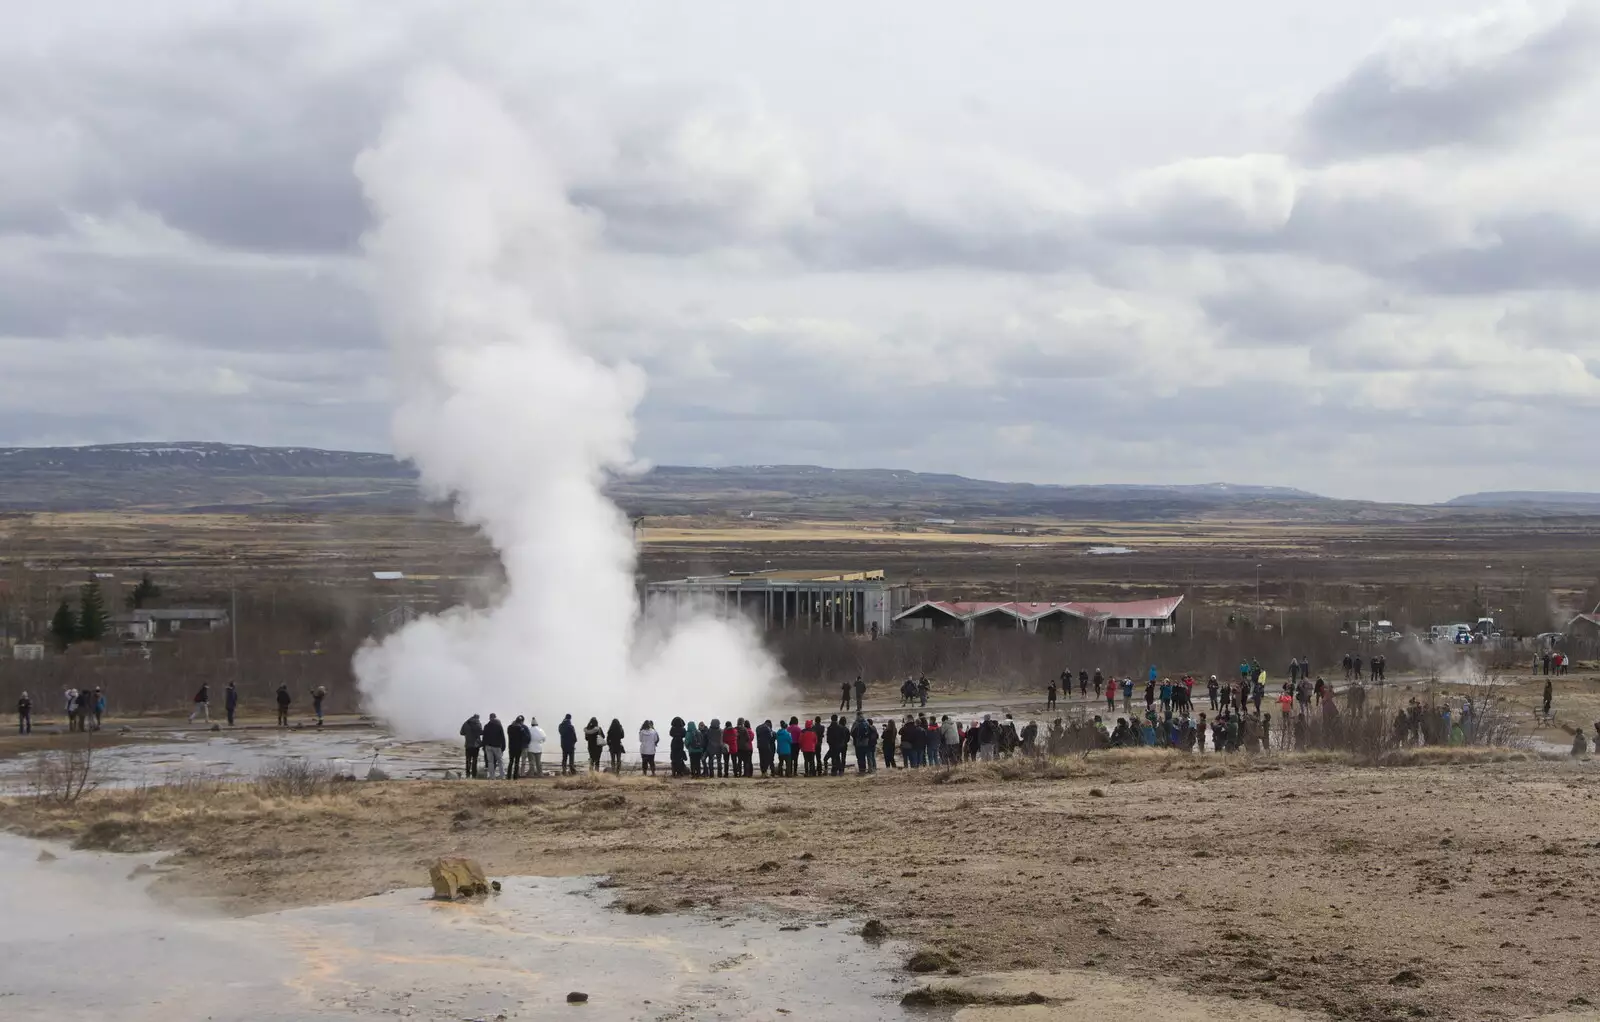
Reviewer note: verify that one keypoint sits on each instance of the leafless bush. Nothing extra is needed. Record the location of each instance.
(297, 777)
(63, 776)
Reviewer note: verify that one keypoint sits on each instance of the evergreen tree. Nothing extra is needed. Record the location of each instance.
(143, 593)
(64, 626)
(92, 618)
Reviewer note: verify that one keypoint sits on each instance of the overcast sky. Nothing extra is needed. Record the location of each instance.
(1349, 247)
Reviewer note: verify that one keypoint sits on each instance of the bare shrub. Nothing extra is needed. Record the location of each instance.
(297, 777)
(63, 776)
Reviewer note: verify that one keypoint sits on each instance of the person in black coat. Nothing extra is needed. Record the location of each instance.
(517, 739)
(678, 758)
(283, 705)
(494, 747)
(766, 744)
(569, 745)
(472, 738)
(614, 736)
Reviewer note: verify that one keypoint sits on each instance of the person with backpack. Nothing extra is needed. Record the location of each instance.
(517, 737)
(745, 739)
(472, 740)
(594, 737)
(202, 703)
(283, 705)
(783, 745)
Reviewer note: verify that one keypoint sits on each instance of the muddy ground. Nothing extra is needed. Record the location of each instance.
(1460, 890)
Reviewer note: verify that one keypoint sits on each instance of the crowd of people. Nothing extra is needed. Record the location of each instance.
(1245, 714)
(85, 708)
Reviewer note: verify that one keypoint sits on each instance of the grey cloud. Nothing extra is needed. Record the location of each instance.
(214, 305)
(1536, 250)
(1426, 91)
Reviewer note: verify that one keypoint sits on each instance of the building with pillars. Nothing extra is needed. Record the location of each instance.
(852, 602)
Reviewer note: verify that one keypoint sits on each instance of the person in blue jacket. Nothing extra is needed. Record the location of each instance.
(569, 745)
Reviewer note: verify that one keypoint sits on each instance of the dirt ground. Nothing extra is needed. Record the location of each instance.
(1459, 890)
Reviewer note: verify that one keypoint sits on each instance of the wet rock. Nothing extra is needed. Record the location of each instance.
(374, 774)
(874, 930)
(494, 885)
(46, 855)
(928, 961)
(577, 997)
(455, 877)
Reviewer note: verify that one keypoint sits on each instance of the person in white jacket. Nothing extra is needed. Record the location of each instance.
(649, 738)
(536, 746)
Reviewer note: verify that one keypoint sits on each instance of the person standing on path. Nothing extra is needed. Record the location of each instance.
(24, 715)
(1548, 693)
(569, 745)
(494, 748)
(471, 738)
(594, 737)
(649, 738)
(283, 705)
(202, 703)
(766, 745)
(230, 701)
(320, 694)
(516, 747)
(536, 740)
(98, 705)
(861, 692)
(1049, 696)
(844, 695)
(677, 732)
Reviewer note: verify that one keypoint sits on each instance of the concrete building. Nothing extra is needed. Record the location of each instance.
(1052, 620)
(853, 602)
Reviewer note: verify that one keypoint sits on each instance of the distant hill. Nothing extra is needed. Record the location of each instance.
(200, 476)
(195, 476)
(1555, 500)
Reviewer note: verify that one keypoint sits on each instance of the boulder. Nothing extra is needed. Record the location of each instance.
(457, 878)
(374, 774)
(577, 997)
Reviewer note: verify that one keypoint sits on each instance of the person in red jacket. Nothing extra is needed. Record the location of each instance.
(730, 742)
(808, 749)
(794, 746)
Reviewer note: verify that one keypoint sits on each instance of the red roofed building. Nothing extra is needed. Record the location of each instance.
(1108, 620)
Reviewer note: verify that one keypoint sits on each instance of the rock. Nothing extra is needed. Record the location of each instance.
(577, 997)
(494, 885)
(1096, 793)
(874, 930)
(455, 877)
(216, 727)
(374, 774)
(929, 961)
(1405, 978)
(46, 855)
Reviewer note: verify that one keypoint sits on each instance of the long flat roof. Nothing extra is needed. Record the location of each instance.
(813, 575)
(1032, 611)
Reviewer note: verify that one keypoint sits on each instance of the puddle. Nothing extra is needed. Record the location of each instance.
(154, 756)
(84, 940)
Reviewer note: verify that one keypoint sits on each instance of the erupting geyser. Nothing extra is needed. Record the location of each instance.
(474, 253)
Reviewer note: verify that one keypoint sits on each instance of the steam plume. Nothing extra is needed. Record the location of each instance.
(475, 253)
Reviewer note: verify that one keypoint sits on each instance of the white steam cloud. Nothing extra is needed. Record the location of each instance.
(475, 255)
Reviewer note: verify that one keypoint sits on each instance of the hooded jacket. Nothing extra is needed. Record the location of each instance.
(614, 737)
(649, 738)
(472, 731)
(536, 739)
(568, 735)
(517, 737)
